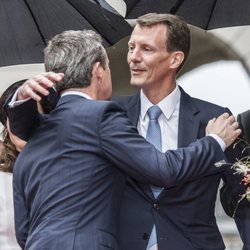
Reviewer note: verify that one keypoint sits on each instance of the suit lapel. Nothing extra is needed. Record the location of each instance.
(189, 124)
(133, 112)
(189, 121)
(133, 109)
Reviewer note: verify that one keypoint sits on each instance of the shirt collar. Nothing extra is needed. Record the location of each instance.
(72, 92)
(167, 105)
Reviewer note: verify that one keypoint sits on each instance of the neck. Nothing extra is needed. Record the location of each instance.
(155, 95)
(88, 91)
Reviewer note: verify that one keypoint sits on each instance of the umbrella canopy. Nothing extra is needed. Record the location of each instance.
(26, 25)
(206, 14)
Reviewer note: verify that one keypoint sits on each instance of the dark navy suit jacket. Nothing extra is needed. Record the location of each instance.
(244, 121)
(183, 214)
(68, 180)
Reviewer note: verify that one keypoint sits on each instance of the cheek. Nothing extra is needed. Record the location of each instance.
(20, 145)
(17, 142)
(128, 58)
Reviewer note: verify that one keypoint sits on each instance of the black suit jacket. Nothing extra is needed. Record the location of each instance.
(183, 214)
(244, 121)
(68, 180)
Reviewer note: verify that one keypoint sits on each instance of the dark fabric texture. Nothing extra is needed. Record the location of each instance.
(208, 15)
(26, 26)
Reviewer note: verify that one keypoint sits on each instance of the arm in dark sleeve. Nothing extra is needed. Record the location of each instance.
(21, 216)
(23, 119)
(126, 149)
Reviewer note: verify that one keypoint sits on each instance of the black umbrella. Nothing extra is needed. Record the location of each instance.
(26, 25)
(206, 14)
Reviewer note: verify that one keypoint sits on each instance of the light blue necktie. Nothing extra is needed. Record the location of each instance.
(154, 130)
(154, 137)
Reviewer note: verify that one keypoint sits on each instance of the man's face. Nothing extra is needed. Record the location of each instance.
(147, 57)
(106, 90)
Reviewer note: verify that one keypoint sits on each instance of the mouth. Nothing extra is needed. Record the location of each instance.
(136, 71)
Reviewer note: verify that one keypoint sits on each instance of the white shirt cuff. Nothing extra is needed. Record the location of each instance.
(13, 103)
(219, 140)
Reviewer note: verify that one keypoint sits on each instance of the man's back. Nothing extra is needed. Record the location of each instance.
(68, 183)
(67, 193)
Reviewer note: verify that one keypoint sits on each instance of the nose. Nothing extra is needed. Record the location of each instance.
(134, 56)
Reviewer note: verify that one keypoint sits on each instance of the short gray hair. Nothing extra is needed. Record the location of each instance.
(74, 53)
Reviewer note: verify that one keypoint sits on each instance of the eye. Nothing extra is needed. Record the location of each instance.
(147, 49)
(131, 48)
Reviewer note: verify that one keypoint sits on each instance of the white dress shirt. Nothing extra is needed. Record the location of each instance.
(168, 120)
(7, 231)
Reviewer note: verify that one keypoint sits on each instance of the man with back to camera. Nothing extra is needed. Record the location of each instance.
(68, 181)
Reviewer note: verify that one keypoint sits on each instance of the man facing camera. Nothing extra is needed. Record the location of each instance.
(180, 217)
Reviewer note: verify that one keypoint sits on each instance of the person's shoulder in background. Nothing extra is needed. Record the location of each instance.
(244, 121)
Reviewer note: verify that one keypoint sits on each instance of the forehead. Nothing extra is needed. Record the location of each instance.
(149, 34)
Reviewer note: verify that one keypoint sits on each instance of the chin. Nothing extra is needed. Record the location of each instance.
(136, 83)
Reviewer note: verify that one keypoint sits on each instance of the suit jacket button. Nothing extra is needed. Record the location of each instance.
(156, 206)
(145, 236)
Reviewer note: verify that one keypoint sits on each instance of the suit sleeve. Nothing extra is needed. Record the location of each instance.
(24, 119)
(126, 149)
(21, 216)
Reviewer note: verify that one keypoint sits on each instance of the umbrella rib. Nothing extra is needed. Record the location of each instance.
(99, 5)
(108, 20)
(176, 7)
(211, 13)
(131, 7)
(34, 19)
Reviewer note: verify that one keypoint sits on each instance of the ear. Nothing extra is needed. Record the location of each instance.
(177, 59)
(97, 71)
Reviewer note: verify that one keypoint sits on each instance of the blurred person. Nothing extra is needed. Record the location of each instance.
(231, 205)
(10, 148)
(1, 145)
(69, 179)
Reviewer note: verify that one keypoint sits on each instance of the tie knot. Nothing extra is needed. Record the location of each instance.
(154, 112)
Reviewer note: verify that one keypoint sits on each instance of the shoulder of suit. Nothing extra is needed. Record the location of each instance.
(108, 106)
(199, 103)
(245, 113)
(127, 101)
(244, 121)
(244, 118)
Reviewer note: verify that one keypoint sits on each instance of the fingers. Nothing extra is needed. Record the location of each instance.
(226, 127)
(38, 85)
(210, 122)
(231, 119)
